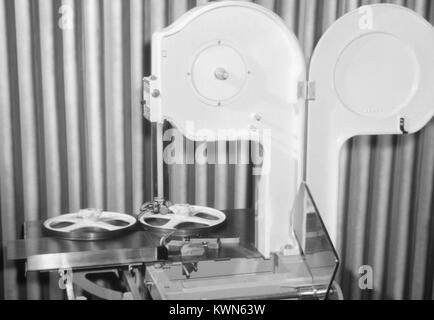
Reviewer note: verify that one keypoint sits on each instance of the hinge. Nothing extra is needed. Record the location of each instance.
(150, 100)
(307, 90)
(146, 98)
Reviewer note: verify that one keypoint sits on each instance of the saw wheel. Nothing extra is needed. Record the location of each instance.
(89, 224)
(183, 220)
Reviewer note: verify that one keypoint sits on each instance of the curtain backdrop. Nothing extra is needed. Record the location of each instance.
(72, 136)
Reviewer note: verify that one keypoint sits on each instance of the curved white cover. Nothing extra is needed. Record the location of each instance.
(235, 66)
(374, 75)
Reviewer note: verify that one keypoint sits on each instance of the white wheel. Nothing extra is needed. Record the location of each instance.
(89, 224)
(183, 219)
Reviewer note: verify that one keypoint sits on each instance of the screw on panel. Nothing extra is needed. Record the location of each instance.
(257, 117)
(155, 93)
(148, 284)
(221, 74)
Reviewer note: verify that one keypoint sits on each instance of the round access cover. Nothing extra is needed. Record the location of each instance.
(375, 63)
(218, 73)
(377, 82)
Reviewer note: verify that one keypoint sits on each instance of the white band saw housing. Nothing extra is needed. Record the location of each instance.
(231, 70)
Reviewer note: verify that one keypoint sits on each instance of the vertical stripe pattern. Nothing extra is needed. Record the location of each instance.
(72, 136)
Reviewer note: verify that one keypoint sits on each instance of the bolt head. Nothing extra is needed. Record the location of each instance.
(256, 117)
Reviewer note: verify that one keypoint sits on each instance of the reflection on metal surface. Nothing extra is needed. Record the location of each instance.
(49, 253)
(91, 259)
(315, 244)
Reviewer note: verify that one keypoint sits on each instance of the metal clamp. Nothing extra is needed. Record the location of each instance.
(402, 126)
(65, 282)
(188, 268)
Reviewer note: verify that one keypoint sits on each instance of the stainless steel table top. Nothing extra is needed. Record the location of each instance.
(48, 253)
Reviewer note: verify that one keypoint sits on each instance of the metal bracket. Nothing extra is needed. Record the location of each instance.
(81, 280)
(133, 293)
(146, 98)
(150, 92)
(65, 282)
(188, 268)
(313, 292)
(306, 90)
(402, 126)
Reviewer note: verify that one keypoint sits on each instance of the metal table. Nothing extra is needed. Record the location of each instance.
(43, 253)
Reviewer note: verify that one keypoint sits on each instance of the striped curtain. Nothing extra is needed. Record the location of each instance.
(72, 136)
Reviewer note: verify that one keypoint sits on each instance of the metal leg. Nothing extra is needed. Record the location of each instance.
(130, 282)
(128, 276)
(94, 289)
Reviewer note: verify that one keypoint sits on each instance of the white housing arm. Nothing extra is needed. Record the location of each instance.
(230, 71)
